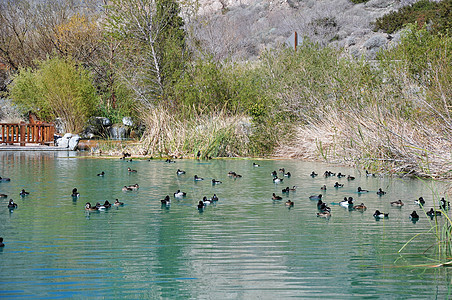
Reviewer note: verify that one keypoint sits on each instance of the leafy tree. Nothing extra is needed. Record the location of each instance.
(152, 52)
(58, 88)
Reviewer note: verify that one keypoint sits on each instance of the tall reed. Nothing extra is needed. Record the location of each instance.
(216, 134)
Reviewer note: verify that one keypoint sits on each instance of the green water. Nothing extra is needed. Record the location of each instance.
(246, 246)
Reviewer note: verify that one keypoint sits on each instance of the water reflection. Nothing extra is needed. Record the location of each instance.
(245, 245)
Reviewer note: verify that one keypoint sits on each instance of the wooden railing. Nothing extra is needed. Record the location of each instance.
(22, 133)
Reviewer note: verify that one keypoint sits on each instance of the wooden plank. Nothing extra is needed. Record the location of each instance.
(23, 129)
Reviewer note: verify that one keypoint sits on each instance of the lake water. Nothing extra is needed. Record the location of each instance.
(246, 246)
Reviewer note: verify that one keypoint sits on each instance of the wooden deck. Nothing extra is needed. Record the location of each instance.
(25, 134)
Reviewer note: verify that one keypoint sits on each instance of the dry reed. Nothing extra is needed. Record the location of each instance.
(216, 134)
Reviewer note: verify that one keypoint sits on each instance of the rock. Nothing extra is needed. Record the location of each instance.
(73, 142)
(127, 121)
(375, 42)
(350, 41)
(119, 132)
(104, 121)
(379, 3)
(64, 141)
(97, 127)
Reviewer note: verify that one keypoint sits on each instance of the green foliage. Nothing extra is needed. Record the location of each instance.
(422, 51)
(58, 88)
(436, 14)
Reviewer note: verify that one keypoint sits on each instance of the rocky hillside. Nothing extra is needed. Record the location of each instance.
(241, 29)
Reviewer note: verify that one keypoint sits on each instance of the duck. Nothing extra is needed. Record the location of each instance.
(360, 207)
(198, 155)
(200, 205)
(168, 160)
(5, 179)
(323, 188)
(256, 165)
(101, 174)
(288, 189)
(432, 213)
(235, 175)
(231, 173)
(275, 197)
(338, 185)
(134, 186)
(282, 170)
(340, 175)
(88, 207)
(368, 174)
(322, 207)
(397, 203)
(214, 198)
(444, 205)
(179, 194)
(100, 207)
(126, 189)
(75, 193)
(117, 203)
(314, 197)
(215, 182)
(1, 242)
(328, 174)
(313, 174)
(166, 201)
(289, 203)
(11, 204)
(325, 214)
(360, 190)
(3, 196)
(274, 174)
(420, 201)
(346, 202)
(131, 171)
(206, 201)
(196, 178)
(380, 192)
(23, 193)
(107, 204)
(277, 180)
(180, 172)
(377, 214)
(350, 177)
(287, 174)
(414, 215)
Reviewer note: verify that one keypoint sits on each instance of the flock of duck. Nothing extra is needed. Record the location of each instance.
(325, 210)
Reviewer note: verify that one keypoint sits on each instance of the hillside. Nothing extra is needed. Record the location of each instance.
(242, 28)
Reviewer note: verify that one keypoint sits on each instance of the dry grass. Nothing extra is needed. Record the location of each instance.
(215, 134)
(398, 146)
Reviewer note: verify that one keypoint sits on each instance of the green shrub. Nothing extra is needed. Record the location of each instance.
(436, 14)
(58, 88)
